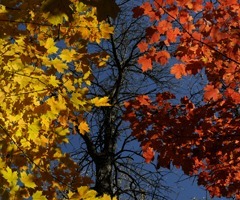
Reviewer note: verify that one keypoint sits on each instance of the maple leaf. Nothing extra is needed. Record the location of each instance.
(67, 55)
(53, 81)
(103, 61)
(107, 197)
(106, 30)
(10, 176)
(162, 57)
(33, 130)
(148, 154)
(235, 96)
(138, 11)
(56, 105)
(178, 70)
(50, 46)
(144, 100)
(103, 101)
(164, 26)
(143, 46)
(172, 34)
(145, 62)
(61, 131)
(83, 127)
(38, 195)
(198, 42)
(59, 65)
(211, 93)
(27, 180)
(2, 9)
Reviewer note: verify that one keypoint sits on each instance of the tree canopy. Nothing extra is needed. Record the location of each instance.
(69, 67)
(202, 138)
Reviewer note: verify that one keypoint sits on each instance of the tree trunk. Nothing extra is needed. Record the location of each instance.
(103, 175)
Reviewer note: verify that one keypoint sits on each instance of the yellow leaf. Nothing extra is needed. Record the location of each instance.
(62, 132)
(107, 197)
(100, 101)
(38, 195)
(77, 99)
(56, 105)
(73, 196)
(56, 19)
(106, 30)
(13, 190)
(53, 81)
(85, 193)
(80, 7)
(58, 153)
(33, 130)
(68, 84)
(25, 143)
(59, 65)
(103, 61)
(50, 46)
(27, 180)
(10, 176)
(2, 9)
(83, 127)
(85, 33)
(67, 55)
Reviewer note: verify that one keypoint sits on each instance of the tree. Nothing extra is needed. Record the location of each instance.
(108, 149)
(68, 76)
(44, 82)
(54, 89)
(203, 138)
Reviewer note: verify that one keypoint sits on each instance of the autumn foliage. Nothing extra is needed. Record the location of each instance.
(43, 87)
(45, 76)
(202, 138)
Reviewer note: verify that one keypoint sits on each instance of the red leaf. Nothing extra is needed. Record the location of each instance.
(197, 5)
(143, 46)
(211, 93)
(147, 8)
(178, 70)
(145, 62)
(162, 57)
(172, 34)
(144, 100)
(137, 12)
(163, 26)
(235, 96)
(148, 154)
(152, 34)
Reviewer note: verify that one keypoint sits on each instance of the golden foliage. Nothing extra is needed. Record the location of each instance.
(44, 75)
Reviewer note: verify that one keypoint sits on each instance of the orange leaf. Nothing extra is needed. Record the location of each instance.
(233, 95)
(144, 100)
(178, 70)
(172, 34)
(145, 62)
(83, 127)
(162, 57)
(211, 93)
(143, 46)
(163, 26)
(148, 154)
